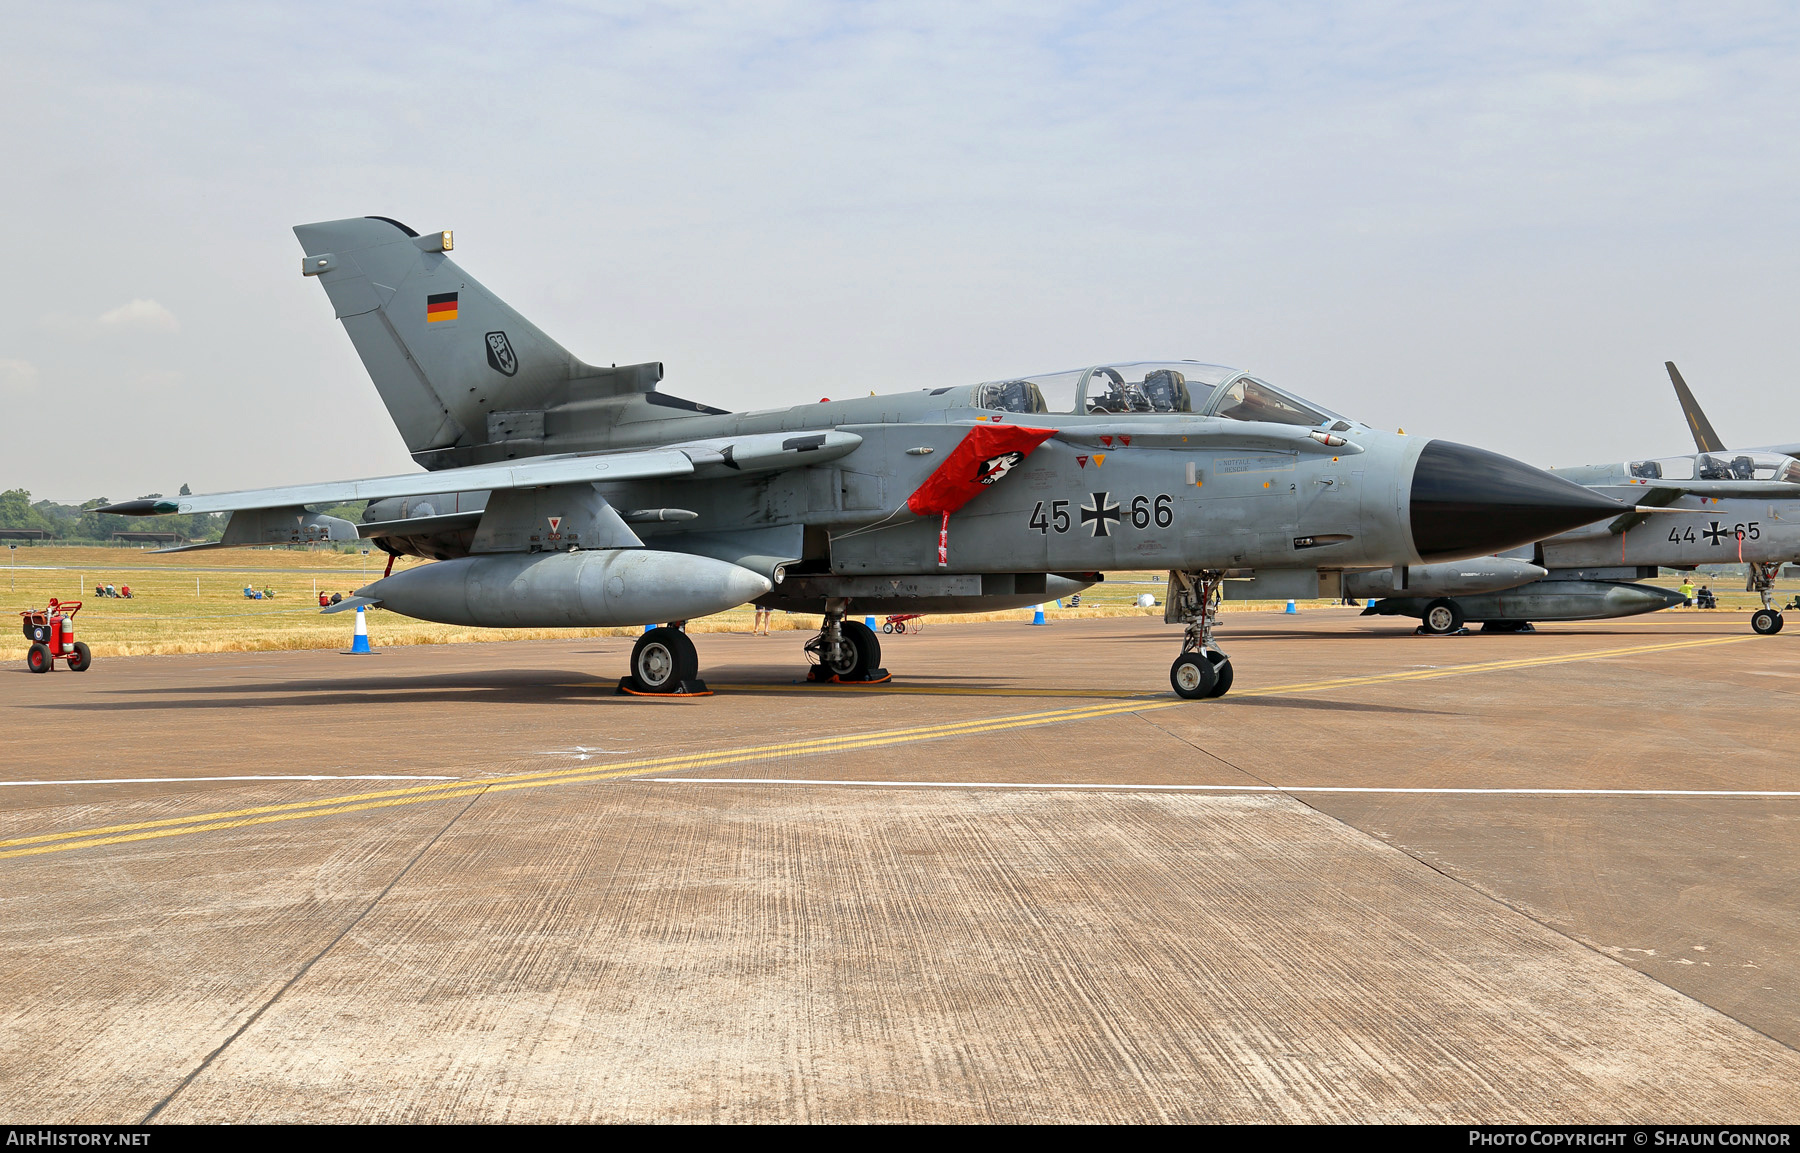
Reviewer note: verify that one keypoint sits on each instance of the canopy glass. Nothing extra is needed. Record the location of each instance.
(1719, 466)
(1150, 387)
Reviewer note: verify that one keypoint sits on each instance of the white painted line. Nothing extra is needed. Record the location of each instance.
(1224, 788)
(190, 780)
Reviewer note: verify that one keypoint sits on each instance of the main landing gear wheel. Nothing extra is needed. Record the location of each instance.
(39, 660)
(1766, 622)
(1442, 617)
(856, 657)
(663, 661)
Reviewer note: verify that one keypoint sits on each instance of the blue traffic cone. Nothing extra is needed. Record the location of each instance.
(870, 621)
(360, 642)
(1291, 607)
(1037, 618)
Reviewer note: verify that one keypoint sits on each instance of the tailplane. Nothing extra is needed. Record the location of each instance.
(455, 365)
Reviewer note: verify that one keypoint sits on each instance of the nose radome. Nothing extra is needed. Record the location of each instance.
(1468, 502)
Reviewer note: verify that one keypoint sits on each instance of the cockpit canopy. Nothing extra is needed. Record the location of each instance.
(1718, 466)
(1151, 387)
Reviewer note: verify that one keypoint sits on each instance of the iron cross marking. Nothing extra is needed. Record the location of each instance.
(1098, 513)
(1713, 534)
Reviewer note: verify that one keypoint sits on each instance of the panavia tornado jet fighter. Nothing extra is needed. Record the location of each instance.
(1715, 506)
(556, 493)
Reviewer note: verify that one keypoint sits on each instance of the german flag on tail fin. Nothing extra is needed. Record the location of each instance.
(440, 306)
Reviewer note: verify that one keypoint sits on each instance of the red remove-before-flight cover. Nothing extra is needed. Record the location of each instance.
(989, 452)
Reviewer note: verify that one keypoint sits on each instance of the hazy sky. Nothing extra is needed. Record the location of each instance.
(1491, 223)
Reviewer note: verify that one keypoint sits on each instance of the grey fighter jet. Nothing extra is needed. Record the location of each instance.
(557, 493)
(1713, 507)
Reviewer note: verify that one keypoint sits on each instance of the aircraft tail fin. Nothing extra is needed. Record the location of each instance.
(1705, 439)
(454, 364)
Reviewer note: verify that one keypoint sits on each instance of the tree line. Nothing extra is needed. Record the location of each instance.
(83, 522)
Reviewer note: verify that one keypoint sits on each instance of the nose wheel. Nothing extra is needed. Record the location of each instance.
(1766, 621)
(1201, 672)
(1202, 675)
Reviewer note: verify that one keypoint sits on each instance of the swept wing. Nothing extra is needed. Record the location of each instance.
(756, 453)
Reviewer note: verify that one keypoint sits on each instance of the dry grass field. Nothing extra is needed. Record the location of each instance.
(194, 602)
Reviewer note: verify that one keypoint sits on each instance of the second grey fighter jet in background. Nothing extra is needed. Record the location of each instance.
(1715, 506)
(557, 493)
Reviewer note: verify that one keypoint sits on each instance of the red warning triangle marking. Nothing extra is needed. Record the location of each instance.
(556, 524)
(1082, 461)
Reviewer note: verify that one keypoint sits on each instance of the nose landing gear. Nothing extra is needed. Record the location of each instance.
(1766, 621)
(1201, 671)
(845, 652)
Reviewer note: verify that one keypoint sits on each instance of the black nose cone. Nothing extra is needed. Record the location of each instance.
(1470, 502)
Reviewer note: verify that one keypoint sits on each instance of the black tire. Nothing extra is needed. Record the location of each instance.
(82, 659)
(38, 658)
(887, 627)
(662, 659)
(1222, 669)
(1442, 616)
(863, 655)
(1193, 676)
(1766, 622)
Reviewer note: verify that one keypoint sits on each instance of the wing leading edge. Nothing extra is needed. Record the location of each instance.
(756, 453)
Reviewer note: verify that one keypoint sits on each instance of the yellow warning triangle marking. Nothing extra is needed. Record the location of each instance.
(1099, 459)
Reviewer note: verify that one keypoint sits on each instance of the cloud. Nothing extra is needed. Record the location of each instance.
(18, 376)
(141, 316)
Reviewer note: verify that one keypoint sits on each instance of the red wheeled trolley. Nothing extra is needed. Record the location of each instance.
(897, 624)
(51, 632)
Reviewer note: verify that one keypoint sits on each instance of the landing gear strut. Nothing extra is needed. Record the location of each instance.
(844, 651)
(1201, 671)
(1766, 620)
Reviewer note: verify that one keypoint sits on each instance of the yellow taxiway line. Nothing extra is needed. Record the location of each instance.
(420, 794)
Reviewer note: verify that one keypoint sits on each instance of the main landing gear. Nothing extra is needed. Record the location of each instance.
(844, 652)
(1443, 616)
(664, 663)
(1201, 671)
(1766, 621)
